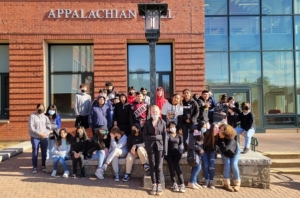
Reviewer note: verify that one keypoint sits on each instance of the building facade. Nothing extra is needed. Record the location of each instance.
(48, 48)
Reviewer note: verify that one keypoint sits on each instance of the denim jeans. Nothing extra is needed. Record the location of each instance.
(248, 135)
(231, 164)
(208, 159)
(194, 173)
(50, 148)
(36, 143)
(101, 154)
(62, 161)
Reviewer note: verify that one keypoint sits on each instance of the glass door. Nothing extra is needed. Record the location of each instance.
(240, 95)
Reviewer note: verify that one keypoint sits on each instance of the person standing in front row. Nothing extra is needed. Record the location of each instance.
(190, 115)
(39, 128)
(154, 133)
(82, 107)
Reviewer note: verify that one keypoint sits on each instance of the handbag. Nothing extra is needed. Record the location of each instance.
(192, 158)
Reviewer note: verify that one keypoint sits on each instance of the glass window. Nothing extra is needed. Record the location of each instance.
(256, 104)
(4, 81)
(245, 67)
(246, 7)
(139, 67)
(244, 33)
(215, 7)
(276, 6)
(216, 34)
(70, 67)
(216, 68)
(296, 6)
(279, 119)
(297, 64)
(297, 32)
(277, 32)
(278, 82)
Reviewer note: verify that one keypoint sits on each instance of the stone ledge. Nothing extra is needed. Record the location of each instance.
(14, 150)
(4, 121)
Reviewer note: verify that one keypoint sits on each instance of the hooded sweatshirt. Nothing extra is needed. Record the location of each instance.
(38, 124)
(190, 111)
(122, 112)
(140, 111)
(99, 115)
(160, 101)
(171, 112)
(82, 104)
(135, 140)
(111, 94)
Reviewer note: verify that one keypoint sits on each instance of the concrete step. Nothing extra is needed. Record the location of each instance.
(282, 155)
(285, 163)
(295, 171)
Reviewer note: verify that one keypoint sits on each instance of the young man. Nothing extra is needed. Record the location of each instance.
(140, 110)
(122, 114)
(146, 97)
(82, 107)
(111, 92)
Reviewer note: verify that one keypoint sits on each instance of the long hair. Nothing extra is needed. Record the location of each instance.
(229, 131)
(52, 106)
(100, 138)
(173, 123)
(68, 137)
(209, 138)
(84, 137)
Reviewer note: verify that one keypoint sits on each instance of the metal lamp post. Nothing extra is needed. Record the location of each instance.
(152, 13)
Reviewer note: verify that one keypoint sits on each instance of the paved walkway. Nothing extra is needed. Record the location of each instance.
(16, 179)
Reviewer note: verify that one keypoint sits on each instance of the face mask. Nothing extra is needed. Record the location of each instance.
(133, 131)
(203, 130)
(40, 111)
(246, 108)
(51, 112)
(173, 129)
(83, 90)
(80, 133)
(130, 93)
(155, 117)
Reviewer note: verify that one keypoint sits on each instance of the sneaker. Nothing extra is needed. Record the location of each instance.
(66, 174)
(159, 190)
(196, 184)
(184, 155)
(182, 188)
(206, 184)
(193, 186)
(34, 171)
(83, 176)
(73, 176)
(99, 173)
(212, 186)
(104, 166)
(117, 178)
(44, 168)
(53, 174)
(146, 167)
(246, 150)
(175, 187)
(126, 177)
(154, 189)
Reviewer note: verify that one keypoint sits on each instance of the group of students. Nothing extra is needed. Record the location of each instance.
(169, 130)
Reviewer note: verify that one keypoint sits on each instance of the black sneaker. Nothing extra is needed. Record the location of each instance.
(44, 168)
(126, 177)
(83, 176)
(246, 150)
(159, 190)
(146, 167)
(73, 176)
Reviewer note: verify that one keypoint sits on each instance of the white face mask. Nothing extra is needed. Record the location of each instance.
(173, 129)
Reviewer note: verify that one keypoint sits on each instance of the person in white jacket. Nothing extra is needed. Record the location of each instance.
(61, 151)
(117, 149)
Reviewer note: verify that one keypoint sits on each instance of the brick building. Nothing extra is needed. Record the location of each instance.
(48, 48)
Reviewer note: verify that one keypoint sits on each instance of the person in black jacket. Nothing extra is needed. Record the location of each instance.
(122, 114)
(175, 149)
(190, 115)
(154, 133)
(233, 112)
(221, 110)
(230, 156)
(205, 105)
(136, 148)
(78, 148)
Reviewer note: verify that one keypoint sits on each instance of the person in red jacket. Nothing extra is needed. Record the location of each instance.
(160, 97)
(131, 95)
(140, 110)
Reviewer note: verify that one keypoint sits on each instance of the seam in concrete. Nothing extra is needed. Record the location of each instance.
(14, 150)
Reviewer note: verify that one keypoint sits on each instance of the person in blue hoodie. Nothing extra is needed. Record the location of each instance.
(55, 121)
(100, 114)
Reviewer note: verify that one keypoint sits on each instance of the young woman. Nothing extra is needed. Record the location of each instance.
(233, 112)
(196, 143)
(55, 121)
(172, 111)
(190, 115)
(230, 155)
(160, 97)
(247, 129)
(78, 148)
(156, 144)
(39, 129)
(175, 149)
(61, 151)
(136, 148)
(208, 156)
(122, 114)
(117, 149)
(131, 95)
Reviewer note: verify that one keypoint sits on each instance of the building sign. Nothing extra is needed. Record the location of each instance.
(95, 14)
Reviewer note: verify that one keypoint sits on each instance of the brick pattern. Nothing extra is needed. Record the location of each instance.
(25, 26)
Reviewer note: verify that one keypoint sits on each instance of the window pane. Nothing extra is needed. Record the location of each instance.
(215, 7)
(4, 59)
(245, 67)
(216, 68)
(276, 6)
(297, 32)
(282, 120)
(244, 7)
(278, 82)
(277, 32)
(256, 104)
(297, 59)
(70, 58)
(244, 33)
(296, 6)
(216, 34)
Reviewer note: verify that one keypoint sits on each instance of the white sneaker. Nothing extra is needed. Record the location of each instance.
(198, 185)
(34, 171)
(117, 178)
(53, 174)
(184, 155)
(66, 174)
(99, 173)
(192, 186)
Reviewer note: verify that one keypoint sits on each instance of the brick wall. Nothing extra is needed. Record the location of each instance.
(25, 26)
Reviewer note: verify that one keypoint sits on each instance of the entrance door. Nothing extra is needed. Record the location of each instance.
(240, 94)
